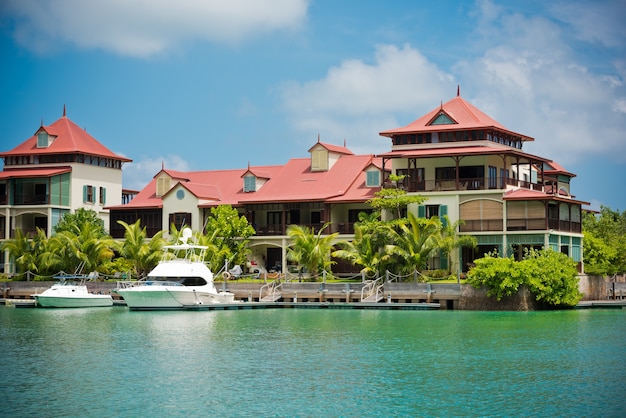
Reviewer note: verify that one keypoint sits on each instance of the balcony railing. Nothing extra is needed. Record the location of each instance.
(277, 229)
(466, 183)
(30, 199)
(521, 224)
(30, 233)
(561, 225)
(478, 225)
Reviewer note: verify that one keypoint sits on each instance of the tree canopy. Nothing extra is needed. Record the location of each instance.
(605, 242)
(75, 221)
(549, 275)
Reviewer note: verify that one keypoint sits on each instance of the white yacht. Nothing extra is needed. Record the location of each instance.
(181, 280)
(71, 292)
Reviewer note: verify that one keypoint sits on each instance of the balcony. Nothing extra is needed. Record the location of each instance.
(466, 183)
(341, 227)
(480, 225)
(30, 199)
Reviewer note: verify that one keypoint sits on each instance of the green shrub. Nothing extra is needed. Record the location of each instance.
(550, 276)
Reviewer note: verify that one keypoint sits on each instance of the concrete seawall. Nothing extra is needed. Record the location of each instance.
(448, 296)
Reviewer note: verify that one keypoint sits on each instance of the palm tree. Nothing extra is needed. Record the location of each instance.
(80, 248)
(449, 239)
(22, 250)
(363, 251)
(143, 253)
(310, 250)
(414, 241)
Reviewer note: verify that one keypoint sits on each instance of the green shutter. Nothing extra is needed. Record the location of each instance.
(443, 260)
(249, 184)
(84, 193)
(443, 210)
(421, 211)
(104, 195)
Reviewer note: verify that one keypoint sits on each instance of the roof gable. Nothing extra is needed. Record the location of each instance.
(442, 118)
(461, 114)
(331, 148)
(69, 138)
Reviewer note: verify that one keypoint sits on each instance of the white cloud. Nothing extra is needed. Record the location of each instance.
(534, 83)
(600, 21)
(140, 28)
(140, 172)
(528, 77)
(356, 100)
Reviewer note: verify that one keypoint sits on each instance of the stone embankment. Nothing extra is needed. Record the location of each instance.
(448, 296)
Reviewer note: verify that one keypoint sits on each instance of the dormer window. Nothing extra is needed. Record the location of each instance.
(319, 159)
(163, 185)
(442, 119)
(372, 178)
(249, 183)
(42, 139)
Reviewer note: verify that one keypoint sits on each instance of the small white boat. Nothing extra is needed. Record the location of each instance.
(71, 292)
(181, 280)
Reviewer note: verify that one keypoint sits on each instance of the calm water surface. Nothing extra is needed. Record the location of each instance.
(305, 362)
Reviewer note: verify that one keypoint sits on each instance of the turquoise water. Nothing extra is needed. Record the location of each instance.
(306, 362)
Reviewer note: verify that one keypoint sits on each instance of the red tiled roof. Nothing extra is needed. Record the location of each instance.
(33, 172)
(145, 199)
(529, 194)
(450, 151)
(556, 168)
(256, 173)
(70, 138)
(176, 175)
(201, 191)
(345, 181)
(333, 148)
(296, 182)
(466, 116)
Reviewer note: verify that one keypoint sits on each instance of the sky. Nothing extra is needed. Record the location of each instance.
(208, 84)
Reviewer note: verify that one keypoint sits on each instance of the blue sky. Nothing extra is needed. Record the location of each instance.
(201, 84)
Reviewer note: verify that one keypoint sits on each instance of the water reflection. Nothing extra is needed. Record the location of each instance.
(96, 362)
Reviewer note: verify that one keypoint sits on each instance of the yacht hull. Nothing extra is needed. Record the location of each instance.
(93, 301)
(164, 297)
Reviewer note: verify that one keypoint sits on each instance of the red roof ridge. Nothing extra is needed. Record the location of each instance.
(333, 148)
(466, 115)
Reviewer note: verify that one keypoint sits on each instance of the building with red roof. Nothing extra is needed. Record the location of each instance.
(471, 168)
(331, 185)
(57, 170)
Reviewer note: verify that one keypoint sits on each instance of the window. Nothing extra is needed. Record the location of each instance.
(249, 183)
(428, 211)
(163, 185)
(432, 210)
(442, 119)
(42, 139)
(445, 173)
(88, 194)
(504, 175)
(372, 178)
(103, 195)
(319, 159)
(493, 177)
(41, 193)
(180, 220)
(274, 219)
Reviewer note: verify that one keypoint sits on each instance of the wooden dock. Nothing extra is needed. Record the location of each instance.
(611, 303)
